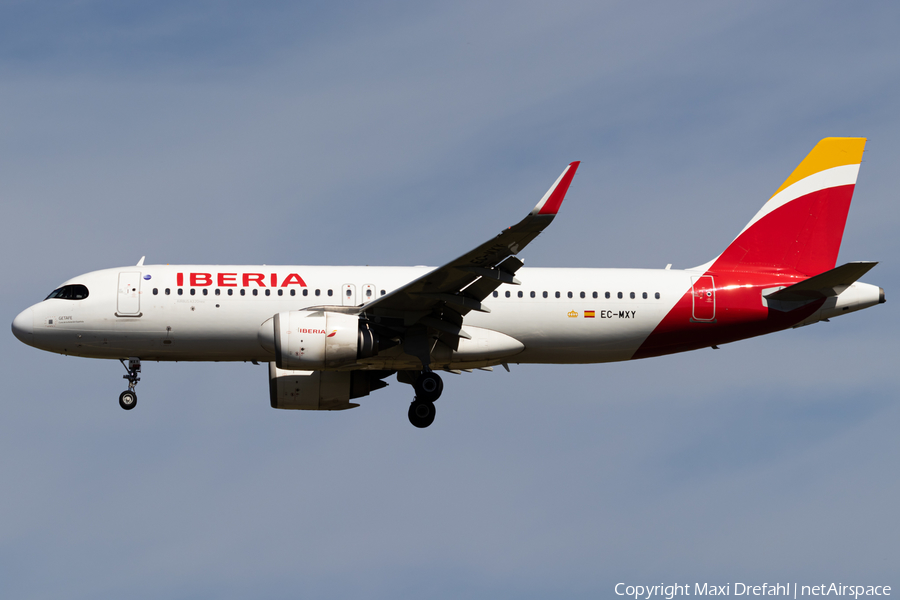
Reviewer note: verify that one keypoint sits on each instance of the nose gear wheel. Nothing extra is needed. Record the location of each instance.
(128, 398)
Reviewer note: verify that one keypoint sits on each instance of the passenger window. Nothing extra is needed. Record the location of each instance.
(243, 292)
(305, 292)
(330, 292)
(268, 292)
(496, 294)
(382, 292)
(657, 295)
(193, 291)
(582, 294)
(606, 295)
(557, 294)
(545, 294)
(281, 292)
(218, 292)
(205, 291)
(631, 295)
(595, 295)
(168, 291)
(318, 292)
(230, 292)
(570, 294)
(348, 292)
(293, 292)
(533, 294)
(507, 294)
(644, 295)
(255, 292)
(155, 291)
(619, 295)
(521, 294)
(369, 293)
(180, 291)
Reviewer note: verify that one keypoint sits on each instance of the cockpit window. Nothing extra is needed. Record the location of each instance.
(69, 292)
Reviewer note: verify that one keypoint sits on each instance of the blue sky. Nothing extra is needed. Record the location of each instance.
(400, 134)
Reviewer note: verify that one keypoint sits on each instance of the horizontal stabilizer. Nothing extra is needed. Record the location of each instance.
(823, 285)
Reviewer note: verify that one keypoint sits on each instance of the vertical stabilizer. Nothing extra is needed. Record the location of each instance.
(799, 229)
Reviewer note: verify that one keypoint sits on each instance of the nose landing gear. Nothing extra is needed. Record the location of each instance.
(128, 399)
(428, 388)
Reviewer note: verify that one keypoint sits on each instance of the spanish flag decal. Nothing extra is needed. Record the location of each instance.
(588, 314)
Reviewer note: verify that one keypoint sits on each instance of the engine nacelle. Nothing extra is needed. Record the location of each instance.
(315, 340)
(321, 390)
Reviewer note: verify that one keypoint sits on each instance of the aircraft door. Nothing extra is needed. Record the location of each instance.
(129, 296)
(348, 294)
(704, 298)
(368, 292)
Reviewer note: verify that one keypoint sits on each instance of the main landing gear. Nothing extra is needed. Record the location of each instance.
(421, 413)
(428, 388)
(128, 399)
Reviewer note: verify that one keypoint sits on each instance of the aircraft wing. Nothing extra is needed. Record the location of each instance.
(433, 305)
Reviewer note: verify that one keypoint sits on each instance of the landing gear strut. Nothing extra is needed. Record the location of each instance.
(428, 388)
(128, 399)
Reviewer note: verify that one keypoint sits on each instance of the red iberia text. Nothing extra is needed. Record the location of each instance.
(245, 279)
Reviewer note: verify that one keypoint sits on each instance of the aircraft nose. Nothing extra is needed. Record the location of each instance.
(23, 326)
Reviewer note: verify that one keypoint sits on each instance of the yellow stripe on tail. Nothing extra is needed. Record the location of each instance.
(828, 153)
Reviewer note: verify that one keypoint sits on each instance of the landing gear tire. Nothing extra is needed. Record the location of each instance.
(127, 399)
(421, 413)
(428, 386)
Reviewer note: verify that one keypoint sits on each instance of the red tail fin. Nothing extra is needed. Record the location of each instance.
(799, 229)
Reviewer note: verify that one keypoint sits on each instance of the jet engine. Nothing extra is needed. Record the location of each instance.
(316, 340)
(321, 390)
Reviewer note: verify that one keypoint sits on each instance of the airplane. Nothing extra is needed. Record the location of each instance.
(333, 334)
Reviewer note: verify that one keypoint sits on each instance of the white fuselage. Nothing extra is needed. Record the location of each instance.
(549, 313)
(556, 315)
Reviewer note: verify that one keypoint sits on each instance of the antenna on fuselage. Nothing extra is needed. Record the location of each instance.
(141, 262)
